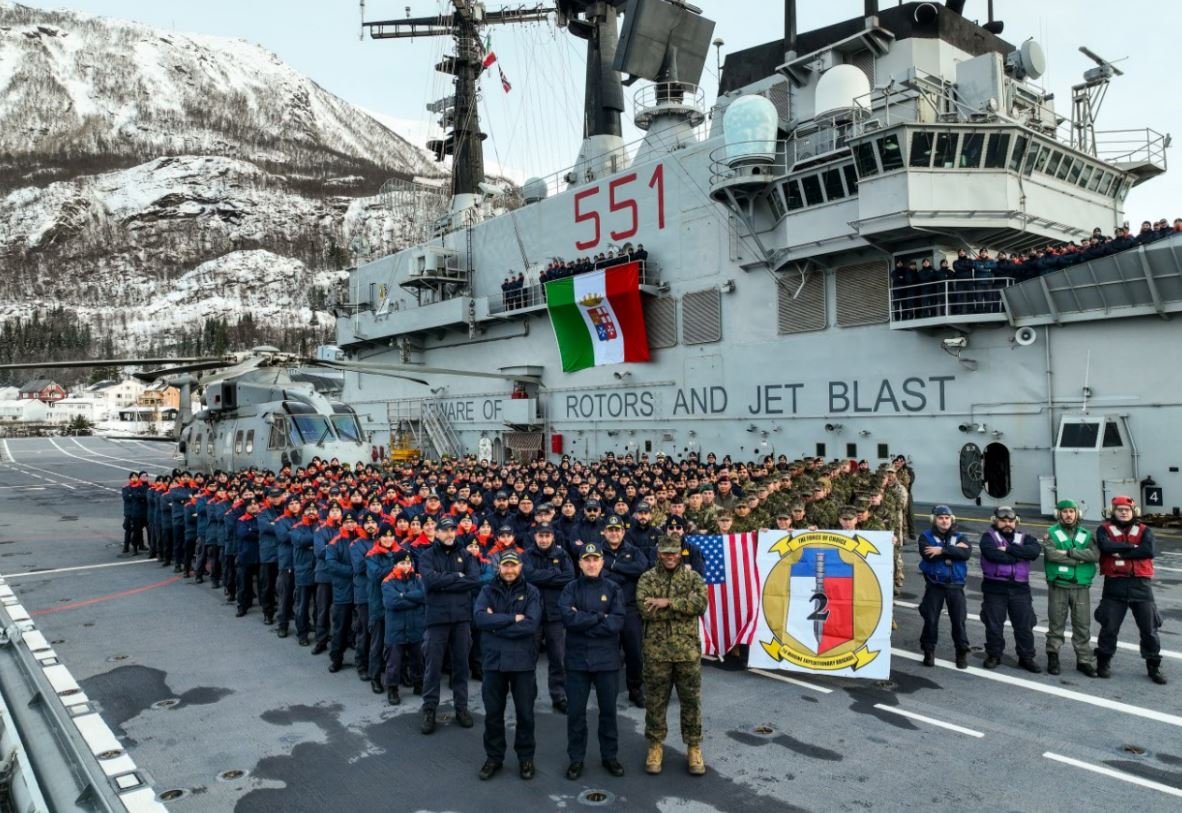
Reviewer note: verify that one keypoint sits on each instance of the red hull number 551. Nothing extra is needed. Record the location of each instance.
(620, 201)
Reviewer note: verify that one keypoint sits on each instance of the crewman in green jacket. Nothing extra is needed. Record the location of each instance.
(1069, 555)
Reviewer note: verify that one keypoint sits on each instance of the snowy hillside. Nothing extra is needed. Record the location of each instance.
(150, 181)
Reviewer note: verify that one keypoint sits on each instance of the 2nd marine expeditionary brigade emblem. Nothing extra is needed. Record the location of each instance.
(822, 601)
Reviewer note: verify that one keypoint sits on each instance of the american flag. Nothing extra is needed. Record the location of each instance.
(732, 585)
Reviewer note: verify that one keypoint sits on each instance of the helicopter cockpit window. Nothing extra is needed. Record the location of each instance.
(209, 443)
(250, 441)
(347, 427)
(277, 439)
(312, 428)
(238, 442)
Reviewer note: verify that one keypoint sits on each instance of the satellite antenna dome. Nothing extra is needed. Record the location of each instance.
(751, 123)
(842, 87)
(534, 190)
(1027, 62)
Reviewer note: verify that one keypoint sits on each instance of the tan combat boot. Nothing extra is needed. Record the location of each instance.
(697, 765)
(656, 754)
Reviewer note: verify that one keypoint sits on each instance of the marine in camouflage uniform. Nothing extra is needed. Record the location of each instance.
(671, 599)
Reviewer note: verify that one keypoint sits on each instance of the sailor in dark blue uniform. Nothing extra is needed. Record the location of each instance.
(593, 613)
(135, 513)
(508, 612)
(450, 576)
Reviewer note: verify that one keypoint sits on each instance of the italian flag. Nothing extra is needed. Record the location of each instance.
(597, 317)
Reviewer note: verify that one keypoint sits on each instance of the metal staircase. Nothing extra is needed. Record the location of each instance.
(440, 432)
(422, 421)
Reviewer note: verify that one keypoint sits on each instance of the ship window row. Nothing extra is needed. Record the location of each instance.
(821, 187)
(953, 149)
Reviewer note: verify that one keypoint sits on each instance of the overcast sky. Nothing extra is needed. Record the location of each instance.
(534, 130)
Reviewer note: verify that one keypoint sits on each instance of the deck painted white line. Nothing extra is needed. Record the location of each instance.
(1165, 653)
(11, 576)
(24, 468)
(1112, 773)
(97, 453)
(785, 679)
(1056, 691)
(90, 460)
(930, 720)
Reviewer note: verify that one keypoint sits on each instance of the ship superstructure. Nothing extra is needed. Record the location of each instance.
(770, 225)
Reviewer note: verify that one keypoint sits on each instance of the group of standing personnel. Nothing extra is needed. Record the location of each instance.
(1122, 550)
(419, 591)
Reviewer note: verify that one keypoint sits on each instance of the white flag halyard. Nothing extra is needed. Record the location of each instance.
(825, 603)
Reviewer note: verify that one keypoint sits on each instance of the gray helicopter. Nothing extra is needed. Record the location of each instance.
(265, 408)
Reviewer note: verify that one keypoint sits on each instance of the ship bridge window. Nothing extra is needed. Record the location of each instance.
(922, 143)
(1065, 168)
(997, 150)
(1076, 171)
(776, 201)
(971, 149)
(795, 201)
(1105, 183)
(311, 428)
(851, 178)
(1044, 156)
(812, 190)
(833, 188)
(1079, 435)
(889, 152)
(347, 427)
(1053, 163)
(1112, 436)
(1031, 157)
(1086, 176)
(864, 157)
(1097, 176)
(946, 144)
(1020, 143)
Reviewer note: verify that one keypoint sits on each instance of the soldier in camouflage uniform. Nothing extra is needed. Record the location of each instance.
(671, 599)
(821, 511)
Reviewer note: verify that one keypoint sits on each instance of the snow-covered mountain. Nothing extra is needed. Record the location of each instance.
(151, 180)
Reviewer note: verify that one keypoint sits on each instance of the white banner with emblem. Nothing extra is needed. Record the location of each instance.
(826, 603)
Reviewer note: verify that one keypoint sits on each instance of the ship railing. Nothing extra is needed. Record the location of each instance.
(534, 296)
(764, 160)
(955, 300)
(595, 167)
(1139, 146)
(669, 98)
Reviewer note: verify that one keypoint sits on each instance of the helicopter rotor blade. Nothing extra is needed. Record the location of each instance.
(367, 367)
(180, 369)
(34, 365)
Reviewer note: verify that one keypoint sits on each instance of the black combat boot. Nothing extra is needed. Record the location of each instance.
(392, 696)
(1103, 664)
(1086, 668)
(428, 726)
(1030, 665)
(376, 683)
(1052, 663)
(929, 658)
(962, 659)
(1153, 665)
